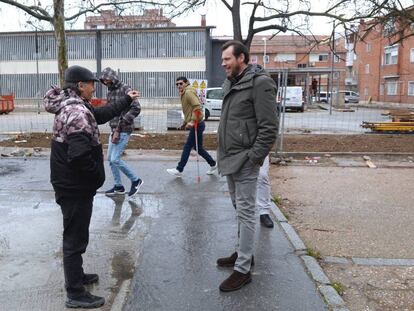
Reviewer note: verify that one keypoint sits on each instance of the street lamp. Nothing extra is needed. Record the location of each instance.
(37, 65)
(264, 53)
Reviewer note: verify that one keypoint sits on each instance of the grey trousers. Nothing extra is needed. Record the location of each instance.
(263, 196)
(242, 188)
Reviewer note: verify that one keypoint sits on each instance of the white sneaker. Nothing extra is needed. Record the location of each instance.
(174, 172)
(212, 170)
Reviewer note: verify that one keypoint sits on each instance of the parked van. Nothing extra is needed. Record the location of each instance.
(294, 98)
(214, 101)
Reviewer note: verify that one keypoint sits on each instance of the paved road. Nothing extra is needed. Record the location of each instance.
(165, 245)
(155, 120)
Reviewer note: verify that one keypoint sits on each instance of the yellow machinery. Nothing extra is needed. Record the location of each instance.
(401, 127)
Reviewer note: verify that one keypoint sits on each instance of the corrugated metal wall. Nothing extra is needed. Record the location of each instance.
(116, 44)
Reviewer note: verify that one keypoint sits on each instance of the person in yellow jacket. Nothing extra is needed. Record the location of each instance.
(192, 113)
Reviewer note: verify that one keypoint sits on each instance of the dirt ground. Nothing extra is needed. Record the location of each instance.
(292, 143)
(342, 208)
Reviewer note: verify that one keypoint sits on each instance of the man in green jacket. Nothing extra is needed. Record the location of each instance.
(247, 131)
(192, 113)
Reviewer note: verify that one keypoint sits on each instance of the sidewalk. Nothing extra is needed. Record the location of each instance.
(359, 220)
(157, 252)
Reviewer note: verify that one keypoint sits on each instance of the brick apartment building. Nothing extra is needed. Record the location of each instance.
(305, 59)
(152, 18)
(385, 71)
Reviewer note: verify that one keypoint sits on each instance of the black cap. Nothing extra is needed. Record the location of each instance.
(76, 74)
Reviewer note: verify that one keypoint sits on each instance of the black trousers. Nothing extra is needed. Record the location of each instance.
(77, 212)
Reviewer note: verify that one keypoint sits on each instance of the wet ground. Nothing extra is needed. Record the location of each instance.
(156, 252)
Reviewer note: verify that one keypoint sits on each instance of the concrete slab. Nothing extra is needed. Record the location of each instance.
(169, 237)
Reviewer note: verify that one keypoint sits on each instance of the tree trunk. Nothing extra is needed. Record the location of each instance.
(235, 12)
(59, 25)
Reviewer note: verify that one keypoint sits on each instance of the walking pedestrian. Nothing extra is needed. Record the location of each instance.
(247, 130)
(192, 113)
(77, 171)
(121, 128)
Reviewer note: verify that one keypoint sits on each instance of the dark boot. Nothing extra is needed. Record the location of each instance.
(230, 261)
(266, 221)
(235, 281)
(86, 300)
(90, 278)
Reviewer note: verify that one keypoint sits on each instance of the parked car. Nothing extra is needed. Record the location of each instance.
(293, 99)
(214, 101)
(321, 97)
(350, 96)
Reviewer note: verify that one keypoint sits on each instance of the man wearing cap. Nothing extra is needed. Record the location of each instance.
(77, 171)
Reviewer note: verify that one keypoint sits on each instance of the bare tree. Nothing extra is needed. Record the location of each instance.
(56, 15)
(294, 16)
(394, 21)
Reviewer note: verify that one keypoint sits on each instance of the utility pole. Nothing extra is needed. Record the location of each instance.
(37, 66)
(264, 54)
(330, 93)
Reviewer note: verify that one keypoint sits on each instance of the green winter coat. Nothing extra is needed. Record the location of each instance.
(248, 123)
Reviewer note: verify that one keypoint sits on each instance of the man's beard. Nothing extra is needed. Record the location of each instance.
(235, 71)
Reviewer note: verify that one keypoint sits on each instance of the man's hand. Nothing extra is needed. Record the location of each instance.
(133, 94)
(189, 125)
(115, 137)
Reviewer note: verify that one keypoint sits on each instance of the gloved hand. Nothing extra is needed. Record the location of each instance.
(115, 136)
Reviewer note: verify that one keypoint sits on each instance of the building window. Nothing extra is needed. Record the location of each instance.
(369, 47)
(285, 57)
(410, 88)
(366, 91)
(323, 57)
(336, 59)
(390, 55)
(301, 65)
(367, 68)
(318, 58)
(391, 87)
(412, 55)
(336, 75)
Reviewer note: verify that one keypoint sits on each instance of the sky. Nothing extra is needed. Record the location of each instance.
(217, 15)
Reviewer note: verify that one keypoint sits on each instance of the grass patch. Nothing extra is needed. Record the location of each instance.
(277, 199)
(338, 287)
(313, 253)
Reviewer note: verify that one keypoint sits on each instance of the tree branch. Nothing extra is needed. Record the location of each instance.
(34, 11)
(226, 4)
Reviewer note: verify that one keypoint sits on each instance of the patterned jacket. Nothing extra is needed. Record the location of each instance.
(76, 160)
(117, 90)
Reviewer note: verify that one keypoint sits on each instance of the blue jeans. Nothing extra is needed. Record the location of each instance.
(116, 163)
(191, 143)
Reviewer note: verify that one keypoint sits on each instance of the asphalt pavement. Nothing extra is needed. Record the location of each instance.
(155, 252)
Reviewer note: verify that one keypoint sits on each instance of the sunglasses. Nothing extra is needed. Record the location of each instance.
(179, 83)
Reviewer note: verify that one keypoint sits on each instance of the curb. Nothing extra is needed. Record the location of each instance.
(333, 300)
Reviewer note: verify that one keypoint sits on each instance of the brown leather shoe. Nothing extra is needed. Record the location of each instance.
(235, 281)
(230, 261)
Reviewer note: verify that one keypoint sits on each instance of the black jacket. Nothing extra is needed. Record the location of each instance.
(76, 160)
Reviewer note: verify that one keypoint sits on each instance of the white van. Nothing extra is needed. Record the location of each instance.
(214, 101)
(294, 98)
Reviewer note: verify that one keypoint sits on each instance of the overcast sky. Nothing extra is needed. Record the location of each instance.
(13, 19)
